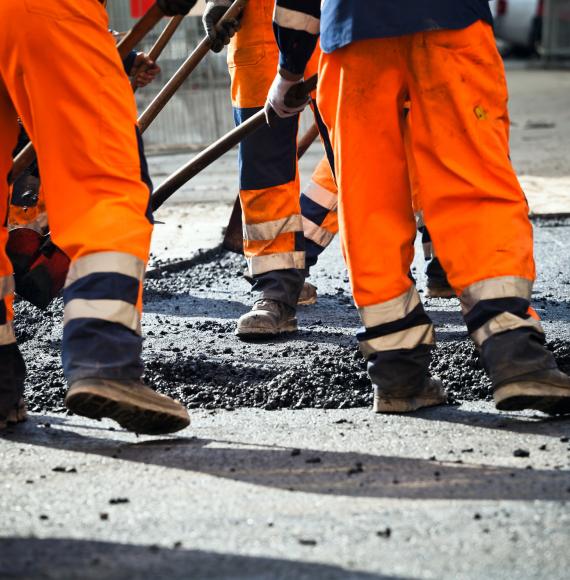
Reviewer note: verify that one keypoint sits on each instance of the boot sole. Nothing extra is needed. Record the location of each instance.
(382, 405)
(532, 395)
(254, 332)
(133, 411)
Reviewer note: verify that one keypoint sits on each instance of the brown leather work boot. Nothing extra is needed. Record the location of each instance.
(266, 318)
(132, 404)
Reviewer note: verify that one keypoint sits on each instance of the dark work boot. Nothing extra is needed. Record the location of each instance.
(429, 394)
(524, 373)
(12, 377)
(402, 382)
(267, 318)
(132, 404)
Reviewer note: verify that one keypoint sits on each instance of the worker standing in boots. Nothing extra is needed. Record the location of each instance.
(268, 175)
(441, 55)
(80, 114)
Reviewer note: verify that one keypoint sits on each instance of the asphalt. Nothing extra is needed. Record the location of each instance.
(285, 472)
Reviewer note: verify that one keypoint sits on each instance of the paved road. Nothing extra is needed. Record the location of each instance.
(454, 492)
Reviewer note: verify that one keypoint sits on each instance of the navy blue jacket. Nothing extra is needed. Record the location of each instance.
(346, 21)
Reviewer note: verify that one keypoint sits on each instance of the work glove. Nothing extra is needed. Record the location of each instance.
(215, 9)
(175, 7)
(284, 99)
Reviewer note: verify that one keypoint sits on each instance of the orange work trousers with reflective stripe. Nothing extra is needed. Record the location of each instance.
(473, 205)
(269, 179)
(60, 72)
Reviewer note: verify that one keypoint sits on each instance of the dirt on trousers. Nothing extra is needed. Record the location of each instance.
(192, 354)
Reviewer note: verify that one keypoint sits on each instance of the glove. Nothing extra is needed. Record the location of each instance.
(215, 9)
(175, 7)
(282, 99)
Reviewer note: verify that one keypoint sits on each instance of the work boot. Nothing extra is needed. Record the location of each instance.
(267, 318)
(308, 295)
(547, 391)
(430, 394)
(132, 404)
(524, 373)
(437, 284)
(12, 377)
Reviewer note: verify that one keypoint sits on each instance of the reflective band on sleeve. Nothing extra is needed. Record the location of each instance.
(501, 323)
(406, 339)
(6, 286)
(394, 309)
(115, 311)
(313, 232)
(287, 18)
(7, 335)
(261, 264)
(105, 262)
(503, 287)
(321, 196)
(270, 230)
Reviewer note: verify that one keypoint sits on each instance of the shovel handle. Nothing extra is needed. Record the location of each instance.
(216, 150)
(159, 45)
(185, 70)
(142, 27)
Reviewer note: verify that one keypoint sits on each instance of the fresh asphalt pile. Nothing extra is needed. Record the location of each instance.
(191, 351)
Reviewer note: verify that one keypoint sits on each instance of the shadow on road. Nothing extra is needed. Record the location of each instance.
(312, 470)
(67, 559)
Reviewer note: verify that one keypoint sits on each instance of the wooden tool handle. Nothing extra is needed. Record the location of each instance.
(139, 30)
(185, 70)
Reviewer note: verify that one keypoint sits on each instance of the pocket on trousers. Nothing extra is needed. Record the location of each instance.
(59, 9)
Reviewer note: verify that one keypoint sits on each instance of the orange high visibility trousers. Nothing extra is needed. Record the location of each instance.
(61, 74)
(472, 203)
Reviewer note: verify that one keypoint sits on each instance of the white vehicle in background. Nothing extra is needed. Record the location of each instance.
(518, 22)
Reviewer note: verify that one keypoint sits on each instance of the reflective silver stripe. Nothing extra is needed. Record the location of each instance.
(408, 339)
(6, 286)
(503, 287)
(7, 335)
(317, 234)
(261, 264)
(116, 311)
(270, 230)
(296, 20)
(394, 309)
(321, 196)
(106, 262)
(501, 323)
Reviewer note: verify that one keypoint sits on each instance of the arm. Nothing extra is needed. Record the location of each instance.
(296, 26)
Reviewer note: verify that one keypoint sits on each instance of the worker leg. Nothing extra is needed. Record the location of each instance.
(12, 368)
(473, 205)
(375, 213)
(90, 162)
(319, 201)
(269, 183)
